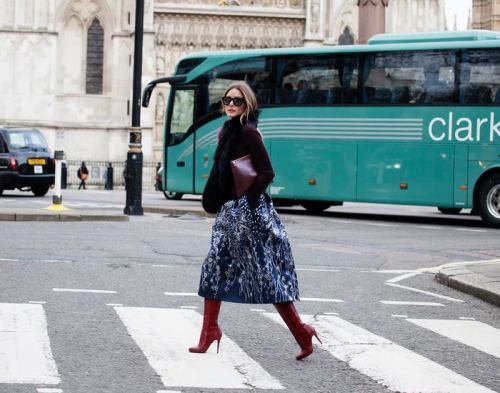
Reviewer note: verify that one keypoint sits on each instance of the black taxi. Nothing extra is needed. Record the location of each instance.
(25, 161)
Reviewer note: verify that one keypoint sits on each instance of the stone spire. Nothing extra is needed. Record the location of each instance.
(371, 18)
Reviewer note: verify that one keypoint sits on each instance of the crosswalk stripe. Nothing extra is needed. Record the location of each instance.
(389, 364)
(164, 336)
(475, 334)
(25, 354)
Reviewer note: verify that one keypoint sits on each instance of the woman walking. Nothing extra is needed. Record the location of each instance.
(250, 260)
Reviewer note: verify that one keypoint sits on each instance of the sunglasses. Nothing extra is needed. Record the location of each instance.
(237, 101)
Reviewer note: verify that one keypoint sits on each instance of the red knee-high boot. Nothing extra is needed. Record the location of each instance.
(302, 332)
(210, 330)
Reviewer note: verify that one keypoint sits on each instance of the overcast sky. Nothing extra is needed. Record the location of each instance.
(460, 8)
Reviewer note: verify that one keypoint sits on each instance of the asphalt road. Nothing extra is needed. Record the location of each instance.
(386, 325)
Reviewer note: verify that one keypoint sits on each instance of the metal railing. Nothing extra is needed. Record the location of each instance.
(98, 171)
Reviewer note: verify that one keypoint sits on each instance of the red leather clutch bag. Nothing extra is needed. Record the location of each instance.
(244, 174)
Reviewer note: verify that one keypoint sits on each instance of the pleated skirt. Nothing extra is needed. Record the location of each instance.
(250, 259)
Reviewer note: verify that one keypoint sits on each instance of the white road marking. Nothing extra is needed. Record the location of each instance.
(326, 247)
(467, 318)
(189, 307)
(180, 294)
(403, 303)
(168, 391)
(389, 271)
(427, 227)
(319, 299)
(475, 334)
(82, 290)
(373, 224)
(451, 299)
(387, 363)
(317, 270)
(402, 277)
(114, 304)
(164, 336)
(470, 230)
(331, 313)
(25, 354)
(36, 302)
(399, 316)
(9, 260)
(49, 390)
(257, 310)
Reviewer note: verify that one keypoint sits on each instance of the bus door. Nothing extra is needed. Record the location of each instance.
(179, 153)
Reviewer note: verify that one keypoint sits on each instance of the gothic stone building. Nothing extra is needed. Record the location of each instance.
(67, 64)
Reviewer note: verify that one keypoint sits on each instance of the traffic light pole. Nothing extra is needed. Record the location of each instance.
(133, 170)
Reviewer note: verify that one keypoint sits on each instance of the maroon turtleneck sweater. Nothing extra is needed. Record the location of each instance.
(250, 142)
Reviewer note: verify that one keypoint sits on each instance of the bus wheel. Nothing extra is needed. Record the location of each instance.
(489, 200)
(449, 210)
(173, 196)
(315, 206)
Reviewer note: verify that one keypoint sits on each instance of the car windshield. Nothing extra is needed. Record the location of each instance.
(26, 140)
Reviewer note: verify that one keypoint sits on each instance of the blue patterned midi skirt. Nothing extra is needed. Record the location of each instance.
(250, 259)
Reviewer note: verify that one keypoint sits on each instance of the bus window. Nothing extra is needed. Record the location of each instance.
(317, 80)
(256, 72)
(480, 76)
(422, 77)
(182, 115)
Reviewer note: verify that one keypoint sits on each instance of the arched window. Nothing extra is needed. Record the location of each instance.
(346, 38)
(95, 58)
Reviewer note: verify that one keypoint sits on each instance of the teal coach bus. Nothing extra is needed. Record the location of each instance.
(406, 119)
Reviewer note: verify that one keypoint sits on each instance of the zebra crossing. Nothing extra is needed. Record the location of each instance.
(164, 334)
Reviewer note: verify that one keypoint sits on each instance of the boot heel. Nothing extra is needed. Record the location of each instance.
(218, 343)
(317, 337)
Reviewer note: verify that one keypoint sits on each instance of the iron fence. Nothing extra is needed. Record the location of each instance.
(98, 172)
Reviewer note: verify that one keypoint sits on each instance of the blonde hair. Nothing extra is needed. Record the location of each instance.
(249, 96)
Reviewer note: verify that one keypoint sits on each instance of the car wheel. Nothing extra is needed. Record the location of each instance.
(40, 190)
(488, 205)
(1, 191)
(173, 196)
(315, 206)
(449, 210)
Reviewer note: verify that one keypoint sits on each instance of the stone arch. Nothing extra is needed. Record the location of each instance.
(346, 16)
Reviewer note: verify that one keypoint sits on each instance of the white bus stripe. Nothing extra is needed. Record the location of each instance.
(387, 363)
(25, 354)
(475, 334)
(164, 336)
(329, 119)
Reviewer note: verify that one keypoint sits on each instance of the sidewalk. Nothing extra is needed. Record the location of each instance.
(480, 279)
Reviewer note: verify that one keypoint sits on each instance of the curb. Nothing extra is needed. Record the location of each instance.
(167, 210)
(60, 217)
(464, 280)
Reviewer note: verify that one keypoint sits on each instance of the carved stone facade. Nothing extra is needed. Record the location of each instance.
(486, 14)
(45, 68)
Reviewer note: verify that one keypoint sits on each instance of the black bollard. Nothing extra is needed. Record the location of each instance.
(109, 177)
(64, 175)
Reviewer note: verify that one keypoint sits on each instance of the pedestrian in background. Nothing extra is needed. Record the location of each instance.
(83, 174)
(250, 259)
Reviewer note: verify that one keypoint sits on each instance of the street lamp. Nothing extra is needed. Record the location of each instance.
(133, 170)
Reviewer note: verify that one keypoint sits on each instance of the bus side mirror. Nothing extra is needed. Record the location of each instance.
(146, 95)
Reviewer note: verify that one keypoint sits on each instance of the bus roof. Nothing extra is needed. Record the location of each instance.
(380, 42)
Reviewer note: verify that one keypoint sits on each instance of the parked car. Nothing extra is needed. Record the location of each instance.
(159, 187)
(25, 161)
